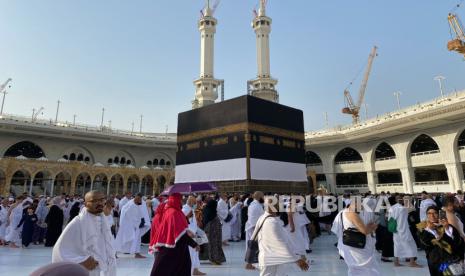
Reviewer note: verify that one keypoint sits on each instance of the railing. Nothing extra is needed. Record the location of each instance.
(388, 184)
(314, 164)
(385, 158)
(431, 183)
(348, 162)
(352, 186)
(405, 112)
(88, 128)
(425, 152)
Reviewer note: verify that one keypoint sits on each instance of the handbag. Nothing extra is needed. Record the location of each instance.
(200, 237)
(352, 237)
(392, 225)
(228, 217)
(251, 255)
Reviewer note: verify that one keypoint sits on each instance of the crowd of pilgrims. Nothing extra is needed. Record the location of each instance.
(182, 231)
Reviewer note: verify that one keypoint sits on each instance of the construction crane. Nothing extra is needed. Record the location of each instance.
(354, 108)
(457, 44)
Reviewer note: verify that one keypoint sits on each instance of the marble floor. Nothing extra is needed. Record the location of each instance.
(324, 261)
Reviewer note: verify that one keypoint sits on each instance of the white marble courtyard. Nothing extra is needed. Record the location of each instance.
(325, 261)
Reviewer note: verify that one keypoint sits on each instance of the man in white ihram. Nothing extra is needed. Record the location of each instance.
(134, 223)
(189, 211)
(87, 239)
(254, 212)
(223, 211)
(404, 244)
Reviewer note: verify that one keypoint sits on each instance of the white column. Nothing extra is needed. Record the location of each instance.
(140, 186)
(331, 181)
(372, 177)
(91, 185)
(52, 188)
(408, 177)
(455, 175)
(30, 186)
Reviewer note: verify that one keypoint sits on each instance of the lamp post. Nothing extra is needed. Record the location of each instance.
(58, 109)
(74, 119)
(439, 79)
(397, 94)
(140, 126)
(103, 115)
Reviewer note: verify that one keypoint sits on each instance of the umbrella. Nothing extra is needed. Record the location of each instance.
(188, 188)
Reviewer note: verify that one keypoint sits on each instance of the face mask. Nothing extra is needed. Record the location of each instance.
(194, 207)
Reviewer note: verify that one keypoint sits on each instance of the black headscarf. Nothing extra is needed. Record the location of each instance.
(209, 211)
(74, 211)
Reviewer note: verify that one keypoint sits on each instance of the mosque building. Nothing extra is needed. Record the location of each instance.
(421, 147)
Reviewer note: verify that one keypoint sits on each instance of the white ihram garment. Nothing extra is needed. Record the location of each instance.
(3, 222)
(186, 209)
(360, 261)
(296, 240)
(223, 211)
(87, 235)
(13, 232)
(404, 244)
(275, 255)
(254, 211)
(236, 221)
(129, 234)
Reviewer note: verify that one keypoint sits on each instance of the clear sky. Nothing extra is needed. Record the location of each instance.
(141, 56)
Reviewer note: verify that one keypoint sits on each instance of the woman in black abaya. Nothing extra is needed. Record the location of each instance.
(54, 222)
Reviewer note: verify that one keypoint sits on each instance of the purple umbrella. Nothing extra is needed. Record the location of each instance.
(189, 188)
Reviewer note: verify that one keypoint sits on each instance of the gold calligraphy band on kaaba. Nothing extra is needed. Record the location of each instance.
(241, 127)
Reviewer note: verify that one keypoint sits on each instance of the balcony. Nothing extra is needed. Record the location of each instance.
(349, 166)
(387, 163)
(315, 167)
(432, 186)
(391, 187)
(425, 158)
(354, 188)
(462, 153)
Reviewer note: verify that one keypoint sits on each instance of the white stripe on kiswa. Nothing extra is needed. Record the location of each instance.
(236, 169)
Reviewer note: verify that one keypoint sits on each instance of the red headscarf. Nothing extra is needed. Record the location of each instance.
(169, 223)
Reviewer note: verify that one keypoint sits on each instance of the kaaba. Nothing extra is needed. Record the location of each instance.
(242, 145)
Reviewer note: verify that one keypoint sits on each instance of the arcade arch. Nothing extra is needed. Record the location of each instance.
(25, 148)
(312, 159)
(348, 155)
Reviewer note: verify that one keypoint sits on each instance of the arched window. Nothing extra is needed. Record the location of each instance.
(168, 163)
(25, 148)
(149, 163)
(123, 160)
(312, 158)
(116, 160)
(155, 162)
(110, 161)
(128, 162)
(162, 162)
(72, 156)
(423, 143)
(65, 157)
(80, 157)
(384, 151)
(87, 159)
(461, 141)
(348, 155)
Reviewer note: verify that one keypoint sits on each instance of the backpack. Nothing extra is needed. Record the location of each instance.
(392, 225)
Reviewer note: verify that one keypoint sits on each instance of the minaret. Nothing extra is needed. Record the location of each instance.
(206, 87)
(263, 86)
